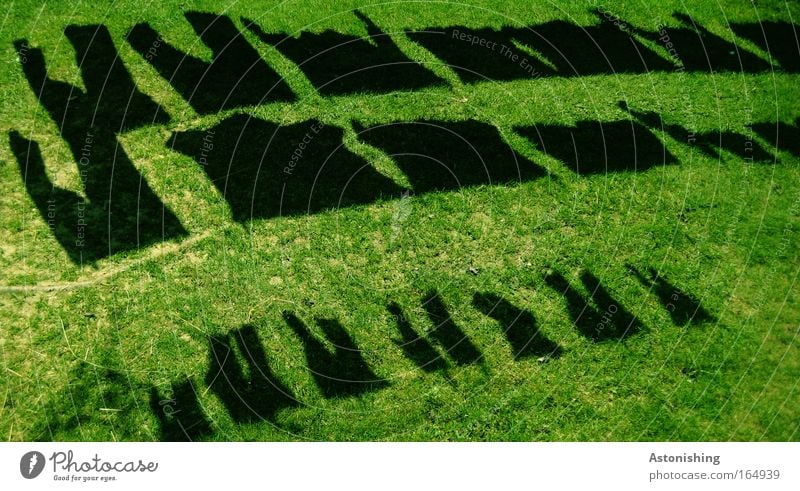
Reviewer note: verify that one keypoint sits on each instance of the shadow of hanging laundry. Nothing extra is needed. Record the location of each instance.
(338, 372)
(443, 155)
(711, 143)
(180, 416)
(415, 347)
(120, 212)
(519, 327)
(478, 55)
(682, 307)
(598, 317)
(110, 100)
(338, 64)
(779, 39)
(556, 48)
(700, 50)
(96, 402)
(266, 170)
(236, 76)
(254, 397)
(596, 147)
(447, 334)
(782, 136)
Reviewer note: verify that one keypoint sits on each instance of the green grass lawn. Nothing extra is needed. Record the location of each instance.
(376, 313)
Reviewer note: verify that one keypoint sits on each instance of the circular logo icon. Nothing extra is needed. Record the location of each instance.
(31, 464)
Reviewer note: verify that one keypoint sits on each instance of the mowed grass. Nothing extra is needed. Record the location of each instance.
(84, 349)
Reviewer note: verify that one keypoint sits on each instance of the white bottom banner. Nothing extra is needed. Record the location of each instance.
(381, 466)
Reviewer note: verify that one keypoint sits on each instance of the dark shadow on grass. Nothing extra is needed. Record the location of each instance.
(120, 212)
(610, 46)
(710, 143)
(266, 170)
(180, 416)
(110, 99)
(338, 372)
(441, 155)
(683, 307)
(556, 48)
(598, 317)
(595, 147)
(779, 39)
(598, 49)
(447, 334)
(519, 327)
(616, 321)
(254, 397)
(700, 50)
(583, 315)
(415, 347)
(236, 76)
(494, 57)
(95, 401)
(338, 64)
(715, 142)
(782, 136)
